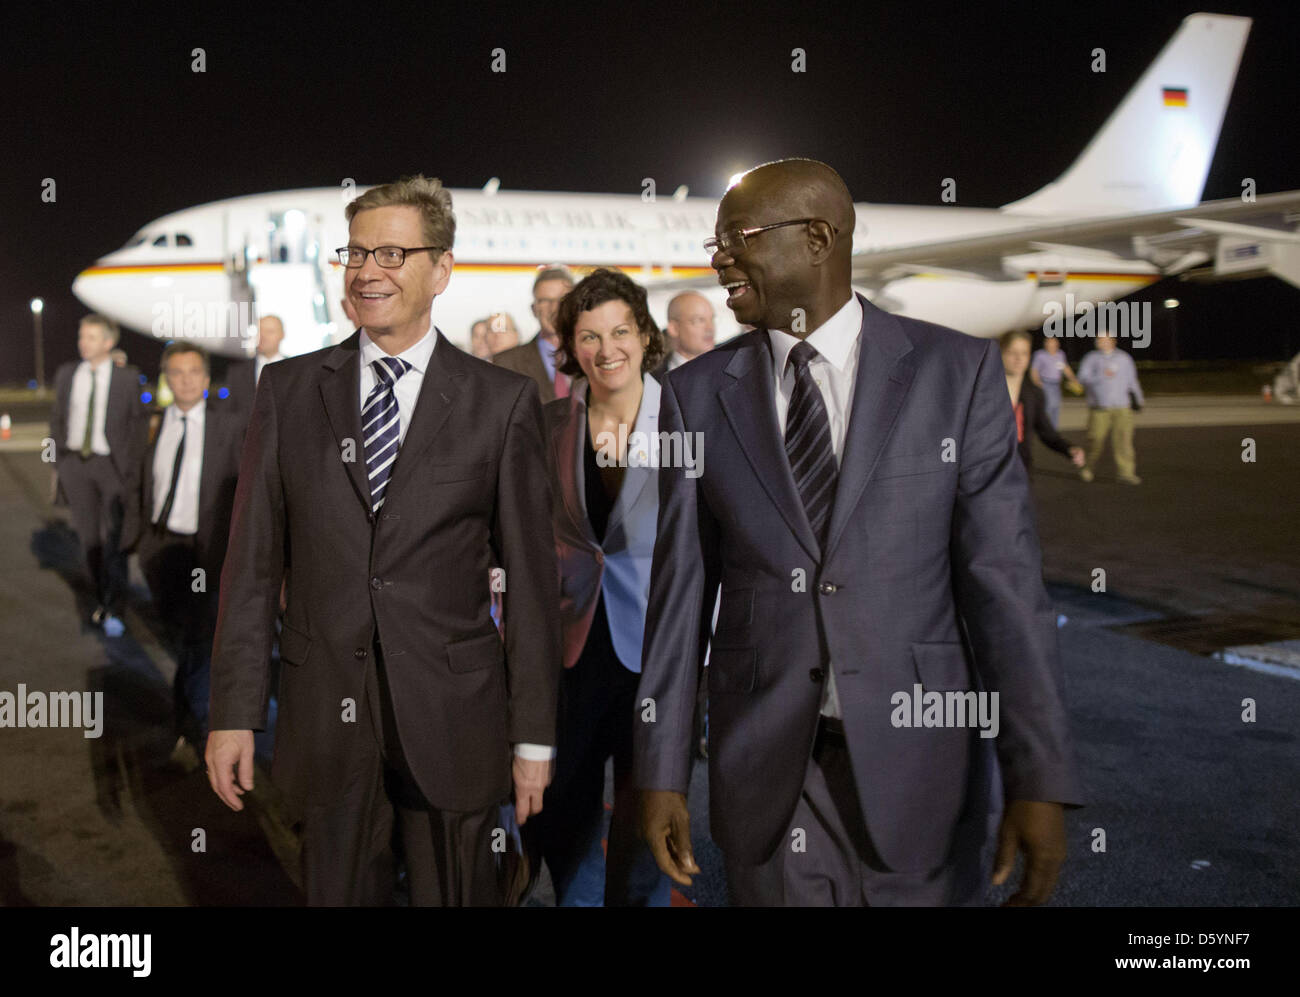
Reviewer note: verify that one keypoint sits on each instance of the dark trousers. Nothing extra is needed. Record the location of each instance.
(94, 490)
(832, 862)
(597, 708)
(168, 561)
(348, 845)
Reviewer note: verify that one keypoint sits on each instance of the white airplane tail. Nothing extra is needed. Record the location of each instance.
(1154, 151)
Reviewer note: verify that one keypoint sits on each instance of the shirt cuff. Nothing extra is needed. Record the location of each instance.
(534, 752)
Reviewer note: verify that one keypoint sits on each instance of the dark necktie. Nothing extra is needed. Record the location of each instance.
(381, 426)
(808, 442)
(88, 440)
(177, 459)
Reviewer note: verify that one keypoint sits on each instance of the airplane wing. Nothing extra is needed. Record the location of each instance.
(1241, 238)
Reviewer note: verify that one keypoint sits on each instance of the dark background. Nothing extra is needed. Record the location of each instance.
(896, 97)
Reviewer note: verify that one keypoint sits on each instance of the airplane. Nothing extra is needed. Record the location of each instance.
(1124, 215)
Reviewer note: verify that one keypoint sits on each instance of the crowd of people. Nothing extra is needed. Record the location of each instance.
(452, 666)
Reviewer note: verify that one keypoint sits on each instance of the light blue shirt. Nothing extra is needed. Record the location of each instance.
(548, 356)
(1049, 365)
(1108, 378)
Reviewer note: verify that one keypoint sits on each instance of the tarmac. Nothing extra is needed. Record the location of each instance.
(1190, 762)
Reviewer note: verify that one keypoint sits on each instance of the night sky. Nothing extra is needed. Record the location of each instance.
(896, 97)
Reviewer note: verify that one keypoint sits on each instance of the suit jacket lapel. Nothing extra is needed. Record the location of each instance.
(884, 377)
(340, 390)
(751, 410)
(569, 438)
(639, 472)
(438, 393)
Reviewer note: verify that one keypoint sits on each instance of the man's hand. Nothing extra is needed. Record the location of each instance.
(666, 827)
(230, 753)
(1077, 456)
(531, 780)
(1038, 828)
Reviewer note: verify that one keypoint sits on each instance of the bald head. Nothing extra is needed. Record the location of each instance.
(790, 276)
(800, 188)
(270, 334)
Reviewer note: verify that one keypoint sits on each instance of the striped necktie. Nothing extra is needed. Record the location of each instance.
(381, 426)
(808, 442)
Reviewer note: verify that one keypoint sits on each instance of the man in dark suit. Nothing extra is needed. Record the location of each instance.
(242, 378)
(178, 521)
(536, 358)
(94, 424)
(392, 471)
(868, 518)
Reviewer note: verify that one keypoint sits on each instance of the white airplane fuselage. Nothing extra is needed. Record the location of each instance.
(275, 252)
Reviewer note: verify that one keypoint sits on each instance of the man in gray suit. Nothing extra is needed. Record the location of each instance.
(536, 358)
(865, 512)
(388, 475)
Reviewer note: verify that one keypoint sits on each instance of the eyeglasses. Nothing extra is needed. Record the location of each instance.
(388, 257)
(734, 241)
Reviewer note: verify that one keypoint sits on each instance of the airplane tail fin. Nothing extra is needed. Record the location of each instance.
(1154, 151)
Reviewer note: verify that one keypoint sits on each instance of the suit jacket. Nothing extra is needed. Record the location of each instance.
(223, 437)
(620, 566)
(931, 574)
(526, 358)
(465, 493)
(122, 419)
(1037, 421)
(241, 382)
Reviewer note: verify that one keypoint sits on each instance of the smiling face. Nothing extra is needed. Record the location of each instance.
(608, 348)
(393, 304)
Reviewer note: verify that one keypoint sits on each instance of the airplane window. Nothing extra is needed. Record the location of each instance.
(135, 240)
(183, 240)
(161, 240)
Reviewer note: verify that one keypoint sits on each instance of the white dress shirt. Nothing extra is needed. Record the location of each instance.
(407, 390)
(184, 516)
(81, 398)
(838, 343)
(262, 362)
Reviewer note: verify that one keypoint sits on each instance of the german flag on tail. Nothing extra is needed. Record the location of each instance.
(1175, 96)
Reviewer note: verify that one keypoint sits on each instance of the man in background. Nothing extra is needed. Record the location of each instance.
(243, 377)
(94, 424)
(502, 334)
(690, 331)
(1110, 378)
(177, 520)
(536, 358)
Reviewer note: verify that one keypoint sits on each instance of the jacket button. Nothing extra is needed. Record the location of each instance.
(816, 674)
(827, 588)
(600, 557)
(376, 583)
(359, 653)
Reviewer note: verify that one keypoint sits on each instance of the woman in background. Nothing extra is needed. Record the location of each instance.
(1030, 406)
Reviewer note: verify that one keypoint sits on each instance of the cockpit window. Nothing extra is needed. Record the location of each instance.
(161, 240)
(183, 240)
(135, 240)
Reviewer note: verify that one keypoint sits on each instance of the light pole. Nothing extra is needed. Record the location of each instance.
(38, 306)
